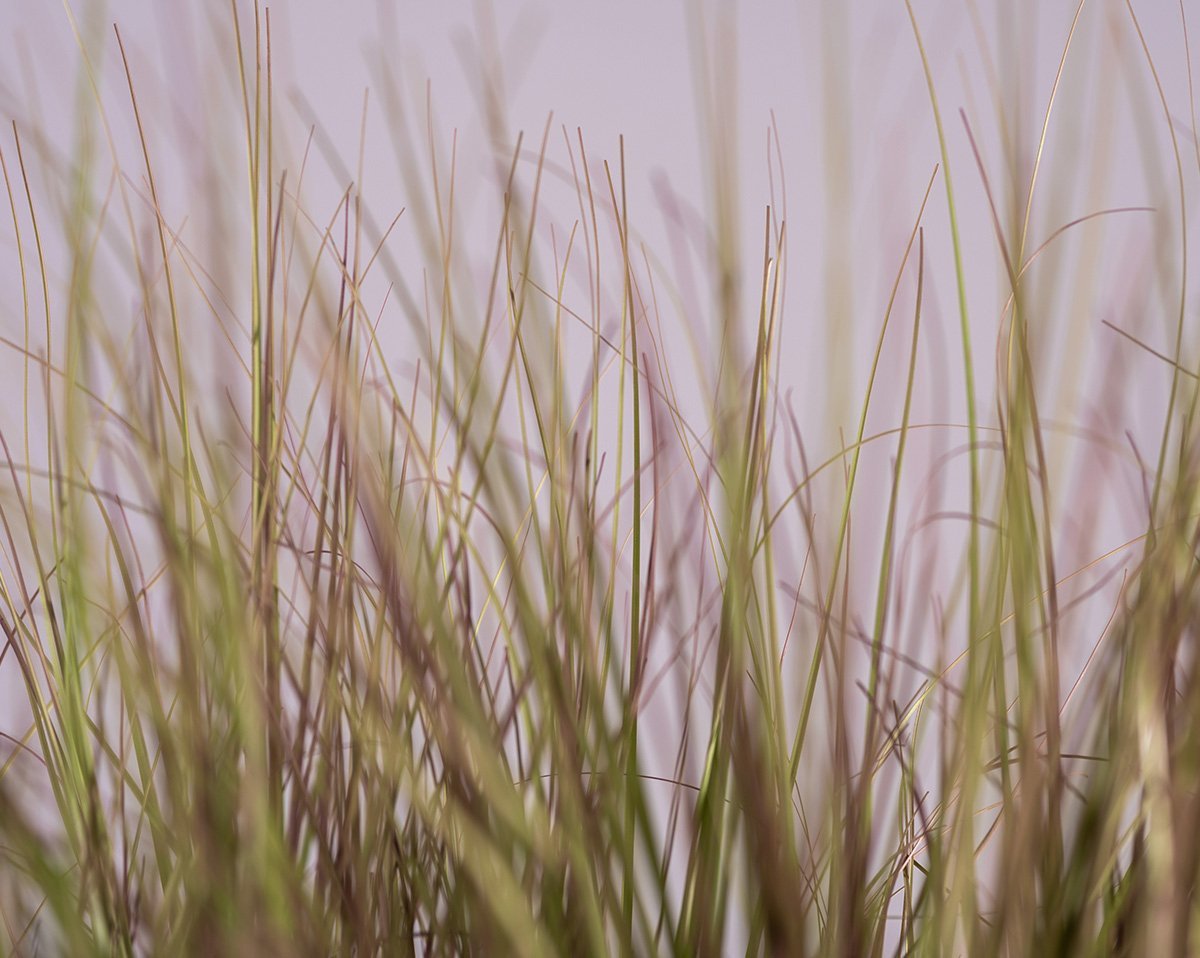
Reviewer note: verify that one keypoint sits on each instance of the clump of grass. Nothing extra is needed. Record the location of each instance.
(507, 647)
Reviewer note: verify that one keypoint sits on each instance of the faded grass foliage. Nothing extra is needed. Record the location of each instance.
(510, 646)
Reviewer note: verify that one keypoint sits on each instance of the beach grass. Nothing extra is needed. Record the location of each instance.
(500, 641)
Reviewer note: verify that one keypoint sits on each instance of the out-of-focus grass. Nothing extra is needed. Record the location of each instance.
(349, 659)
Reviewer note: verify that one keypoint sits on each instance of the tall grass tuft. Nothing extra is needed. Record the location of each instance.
(364, 595)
